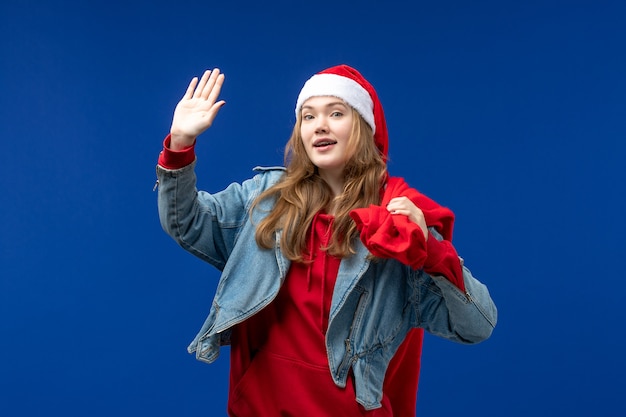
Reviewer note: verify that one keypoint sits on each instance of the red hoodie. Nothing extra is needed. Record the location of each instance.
(279, 365)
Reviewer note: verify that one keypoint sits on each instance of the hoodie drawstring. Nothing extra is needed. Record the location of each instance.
(319, 238)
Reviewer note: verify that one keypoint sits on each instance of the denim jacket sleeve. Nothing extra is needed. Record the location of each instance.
(444, 310)
(207, 225)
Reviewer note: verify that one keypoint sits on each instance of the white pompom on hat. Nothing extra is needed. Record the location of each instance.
(349, 85)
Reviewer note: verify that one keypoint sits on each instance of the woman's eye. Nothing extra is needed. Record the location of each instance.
(307, 117)
(336, 114)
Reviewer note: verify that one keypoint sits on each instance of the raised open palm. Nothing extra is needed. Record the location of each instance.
(197, 109)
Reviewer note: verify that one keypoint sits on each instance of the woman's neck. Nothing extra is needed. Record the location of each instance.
(334, 182)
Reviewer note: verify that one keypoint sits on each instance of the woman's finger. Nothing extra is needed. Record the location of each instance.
(216, 88)
(202, 83)
(190, 88)
(208, 89)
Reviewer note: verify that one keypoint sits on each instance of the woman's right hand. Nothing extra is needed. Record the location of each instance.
(197, 109)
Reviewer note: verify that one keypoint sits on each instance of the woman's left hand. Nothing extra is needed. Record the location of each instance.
(404, 206)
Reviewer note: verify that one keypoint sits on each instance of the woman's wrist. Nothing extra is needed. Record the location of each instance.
(179, 141)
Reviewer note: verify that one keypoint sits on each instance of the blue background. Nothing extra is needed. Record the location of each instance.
(510, 113)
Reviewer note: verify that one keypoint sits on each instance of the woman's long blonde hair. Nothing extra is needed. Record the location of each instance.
(302, 193)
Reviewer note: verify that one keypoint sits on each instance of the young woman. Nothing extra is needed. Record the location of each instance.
(331, 269)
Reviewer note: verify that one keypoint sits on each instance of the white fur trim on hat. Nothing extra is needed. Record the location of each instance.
(342, 87)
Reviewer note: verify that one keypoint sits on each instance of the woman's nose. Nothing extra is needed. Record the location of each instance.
(322, 125)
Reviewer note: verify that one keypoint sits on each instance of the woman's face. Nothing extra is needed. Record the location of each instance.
(326, 128)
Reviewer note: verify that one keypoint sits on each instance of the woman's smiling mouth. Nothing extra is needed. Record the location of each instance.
(320, 143)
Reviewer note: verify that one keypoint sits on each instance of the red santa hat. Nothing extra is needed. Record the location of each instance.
(349, 85)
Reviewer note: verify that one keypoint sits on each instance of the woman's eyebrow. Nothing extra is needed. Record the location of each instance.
(331, 104)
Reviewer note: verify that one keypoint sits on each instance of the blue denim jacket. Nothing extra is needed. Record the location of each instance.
(374, 304)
